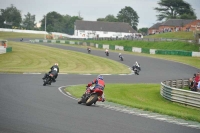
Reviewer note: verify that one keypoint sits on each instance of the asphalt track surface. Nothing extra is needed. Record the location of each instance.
(28, 107)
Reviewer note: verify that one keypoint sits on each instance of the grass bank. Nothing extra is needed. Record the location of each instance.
(143, 96)
(175, 45)
(174, 35)
(6, 35)
(37, 58)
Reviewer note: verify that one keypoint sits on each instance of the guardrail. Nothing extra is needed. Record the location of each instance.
(136, 39)
(124, 48)
(185, 97)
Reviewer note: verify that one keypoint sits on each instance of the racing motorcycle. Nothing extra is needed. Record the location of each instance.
(136, 71)
(89, 50)
(107, 54)
(91, 96)
(48, 79)
(121, 58)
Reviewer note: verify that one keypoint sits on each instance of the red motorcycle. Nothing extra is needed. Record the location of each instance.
(92, 95)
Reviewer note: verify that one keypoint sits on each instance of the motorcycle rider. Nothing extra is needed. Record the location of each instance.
(88, 49)
(54, 71)
(99, 83)
(136, 65)
(120, 55)
(106, 51)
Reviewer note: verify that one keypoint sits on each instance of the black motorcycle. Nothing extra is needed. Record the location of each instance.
(136, 70)
(107, 54)
(48, 80)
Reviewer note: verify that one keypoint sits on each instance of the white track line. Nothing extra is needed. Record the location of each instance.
(150, 116)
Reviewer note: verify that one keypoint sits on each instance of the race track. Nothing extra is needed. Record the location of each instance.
(29, 107)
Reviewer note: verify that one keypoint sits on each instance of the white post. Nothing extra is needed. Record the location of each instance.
(45, 26)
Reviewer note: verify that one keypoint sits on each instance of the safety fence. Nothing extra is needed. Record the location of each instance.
(169, 90)
(124, 48)
(137, 39)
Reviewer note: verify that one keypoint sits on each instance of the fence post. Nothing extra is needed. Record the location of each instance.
(177, 83)
(171, 83)
(183, 85)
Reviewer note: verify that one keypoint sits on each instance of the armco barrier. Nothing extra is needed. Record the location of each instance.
(174, 52)
(129, 48)
(146, 50)
(185, 97)
(8, 49)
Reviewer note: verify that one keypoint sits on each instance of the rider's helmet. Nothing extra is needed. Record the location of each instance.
(119, 53)
(100, 77)
(136, 63)
(56, 64)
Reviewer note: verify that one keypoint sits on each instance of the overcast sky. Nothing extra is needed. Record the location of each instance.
(92, 9)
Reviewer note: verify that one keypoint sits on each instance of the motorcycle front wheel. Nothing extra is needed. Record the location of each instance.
(47, 80)
(92, 99)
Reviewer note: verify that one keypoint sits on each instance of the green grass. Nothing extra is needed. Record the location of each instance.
(6, 35)
(192, 61)
(143, 96)
(37, 58)
(174, 35)
(175, 45)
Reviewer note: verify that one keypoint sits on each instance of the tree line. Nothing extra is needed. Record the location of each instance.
(168, 9)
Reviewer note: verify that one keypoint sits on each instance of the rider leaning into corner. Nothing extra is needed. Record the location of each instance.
(106, 50)
(136, 65)
(120, 55)
(54, 70)
(100, 84)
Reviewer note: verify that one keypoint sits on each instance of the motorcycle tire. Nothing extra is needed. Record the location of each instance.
(92, 99)
(80, 101)
(47, 80)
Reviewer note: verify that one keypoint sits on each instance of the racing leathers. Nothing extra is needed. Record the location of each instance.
(99, 83)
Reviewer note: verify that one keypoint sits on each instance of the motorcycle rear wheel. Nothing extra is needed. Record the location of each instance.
(92, 99)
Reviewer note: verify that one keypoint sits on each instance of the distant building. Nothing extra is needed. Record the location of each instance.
(154, 29)
(173, 25)
(98, 29)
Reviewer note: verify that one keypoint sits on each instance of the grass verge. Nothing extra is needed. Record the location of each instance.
(175, 45)
(143, 96)
(37, 58)
(174, 35)
(6, 35)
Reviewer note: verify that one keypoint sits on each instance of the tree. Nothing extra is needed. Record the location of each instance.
(101, 19)
(174, 9)
(10, 16)
(54, 22)
(110, 18)
(29, 21)
(70, 25)
(128, 15)
(144, 31)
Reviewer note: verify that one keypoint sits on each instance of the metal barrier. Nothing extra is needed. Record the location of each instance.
(185, 97)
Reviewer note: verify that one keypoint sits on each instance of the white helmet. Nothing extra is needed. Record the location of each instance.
(119, 53)
(56, 64)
